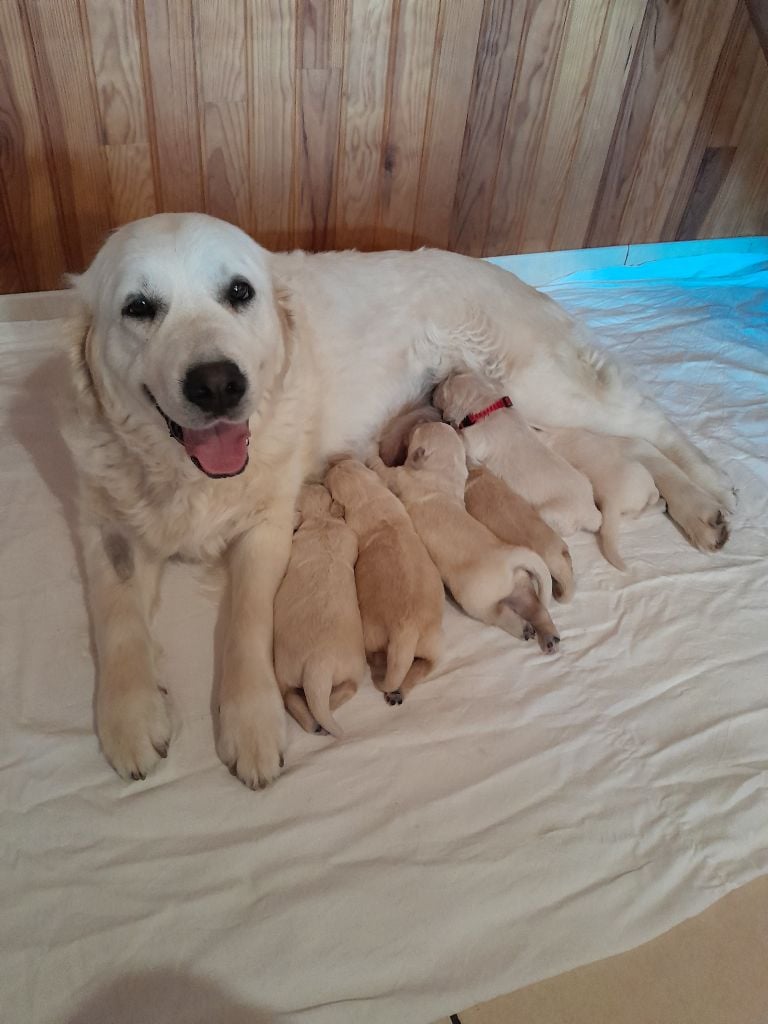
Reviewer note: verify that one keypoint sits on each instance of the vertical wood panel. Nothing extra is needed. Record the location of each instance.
(526, 120)
(70, 119)
(220, 28)
(33, 256)
(584, 170)
(404, 142)
(450, 91)
(675, 117)
(114, 44)
(170, 50)
(272, 113)
(488, 126)
(366, 62)
(498, 50)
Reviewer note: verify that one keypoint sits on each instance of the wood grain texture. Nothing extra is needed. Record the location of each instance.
(517, 185)
(33, 256)
(413, 46)
(488, 126)
(363, 107)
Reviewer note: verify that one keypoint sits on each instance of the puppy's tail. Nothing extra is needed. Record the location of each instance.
(401, 653)
(608, 536)
(535, 566)
(318, 684)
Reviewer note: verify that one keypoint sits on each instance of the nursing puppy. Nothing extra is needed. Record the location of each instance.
(491, 581)
(621, 484)
(399, 590)
(513, 520)
(503, 442)
(396, 435)
(319, 650)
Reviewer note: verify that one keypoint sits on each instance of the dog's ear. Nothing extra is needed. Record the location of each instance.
(418, 457)
(337, 509)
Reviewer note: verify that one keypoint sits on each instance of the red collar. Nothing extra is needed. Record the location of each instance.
(475, 417)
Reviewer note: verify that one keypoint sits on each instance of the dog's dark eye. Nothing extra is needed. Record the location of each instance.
(140, 308)
(239, 292)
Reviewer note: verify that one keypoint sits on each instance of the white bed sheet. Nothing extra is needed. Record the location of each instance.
(516, 817)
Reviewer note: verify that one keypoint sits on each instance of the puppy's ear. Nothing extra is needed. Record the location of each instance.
(418, 457)
(337, 509)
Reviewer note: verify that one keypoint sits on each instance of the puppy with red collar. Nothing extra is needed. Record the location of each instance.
(496, 436)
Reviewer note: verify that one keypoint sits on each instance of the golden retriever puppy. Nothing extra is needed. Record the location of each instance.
(396, 435)
(399, 590)
(496, 436)
(514, 521)
(492, 581)
(318, 648)
(621, 484)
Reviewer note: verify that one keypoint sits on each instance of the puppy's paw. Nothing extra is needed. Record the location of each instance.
(393, 698)
(528, 631)
(549, 643)
(251, 735)
(134, 728)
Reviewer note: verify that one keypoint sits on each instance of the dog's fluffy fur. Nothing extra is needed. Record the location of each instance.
(319, 650)
(506, 444)
(491, 581)
(330, 346)
(621, 484)
(398, 588)
(513, 520)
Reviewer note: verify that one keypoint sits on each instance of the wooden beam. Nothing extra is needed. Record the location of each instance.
(758, 12)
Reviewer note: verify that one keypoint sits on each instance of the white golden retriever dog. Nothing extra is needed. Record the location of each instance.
(213, 377)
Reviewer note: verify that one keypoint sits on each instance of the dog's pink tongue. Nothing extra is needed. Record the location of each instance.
(221, 450)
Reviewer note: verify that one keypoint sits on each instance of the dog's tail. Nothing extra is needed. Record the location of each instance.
(318, 684)
(535, 566)
(401, 652)
(608, 536)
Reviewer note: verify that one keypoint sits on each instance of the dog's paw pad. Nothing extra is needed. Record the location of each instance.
(528, 631)
(394, 698)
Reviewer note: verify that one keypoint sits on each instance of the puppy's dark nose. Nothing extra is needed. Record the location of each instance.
(215, 387)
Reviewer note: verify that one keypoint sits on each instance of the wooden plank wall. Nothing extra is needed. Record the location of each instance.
(486, 126)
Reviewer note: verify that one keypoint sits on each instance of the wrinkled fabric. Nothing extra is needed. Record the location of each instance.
(517, 816)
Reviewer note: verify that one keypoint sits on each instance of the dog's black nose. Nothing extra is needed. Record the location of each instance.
(215, 387)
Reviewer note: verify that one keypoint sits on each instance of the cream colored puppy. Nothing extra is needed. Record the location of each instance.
(492, 581)
(502, 441)
(621, 484)
(398, 588)
(514, 521)
(319, 651)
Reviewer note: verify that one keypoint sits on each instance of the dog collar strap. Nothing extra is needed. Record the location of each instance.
(475, 417)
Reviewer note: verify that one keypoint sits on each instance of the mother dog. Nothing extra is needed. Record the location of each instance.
(212, 377)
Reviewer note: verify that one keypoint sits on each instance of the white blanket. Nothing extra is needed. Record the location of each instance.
(516, 817)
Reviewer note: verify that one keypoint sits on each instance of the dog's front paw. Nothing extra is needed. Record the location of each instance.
(701, 519)
(134, 728)
(393, 698)
(251, 735)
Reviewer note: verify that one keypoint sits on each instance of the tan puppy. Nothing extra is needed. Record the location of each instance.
(396, 435)
(621, 484)
(398, 588)
(514, 521)
(492, 581)
(319, 650)
(504, 443)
